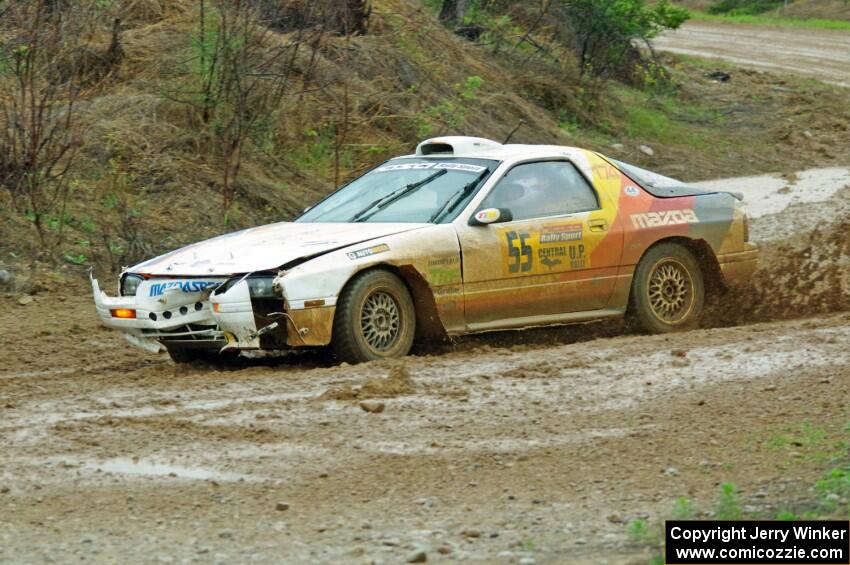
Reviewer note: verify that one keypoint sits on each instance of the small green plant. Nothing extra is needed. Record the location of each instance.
(786, 515)
(834, 489)
(469, 89)
(568, 122)
(76, 258)
(683, 509)
(639, 532)
(88, 225)
(728, 506)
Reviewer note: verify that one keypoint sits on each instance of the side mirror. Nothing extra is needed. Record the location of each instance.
(490, 216)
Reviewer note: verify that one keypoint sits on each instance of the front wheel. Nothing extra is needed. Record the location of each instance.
(668, 290)
(374, 319)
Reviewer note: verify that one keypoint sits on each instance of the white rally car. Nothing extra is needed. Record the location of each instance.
(467, 235)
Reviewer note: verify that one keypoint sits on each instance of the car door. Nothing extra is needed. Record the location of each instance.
(542, 264)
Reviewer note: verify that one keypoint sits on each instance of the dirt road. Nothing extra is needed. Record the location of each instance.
(519, 447)
(819, 53)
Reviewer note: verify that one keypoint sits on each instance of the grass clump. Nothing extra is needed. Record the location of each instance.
(728, 505)
(833, 491)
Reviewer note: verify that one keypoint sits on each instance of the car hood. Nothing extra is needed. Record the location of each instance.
(265, 248)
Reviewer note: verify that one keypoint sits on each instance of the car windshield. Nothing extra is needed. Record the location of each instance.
(646, 178)
(415, 190)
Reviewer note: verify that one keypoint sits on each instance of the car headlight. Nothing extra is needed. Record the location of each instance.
(261, 287)
(130, 284)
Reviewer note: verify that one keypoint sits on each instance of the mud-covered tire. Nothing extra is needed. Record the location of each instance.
(668, 290)
(374, 319)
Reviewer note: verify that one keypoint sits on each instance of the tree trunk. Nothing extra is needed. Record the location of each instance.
(448, 13)
(453, 11)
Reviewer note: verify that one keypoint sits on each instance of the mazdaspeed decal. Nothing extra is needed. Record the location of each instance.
(374, 250)
(664, 218)
(158, 289)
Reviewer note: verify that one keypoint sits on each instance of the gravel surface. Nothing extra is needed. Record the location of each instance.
(819, 53)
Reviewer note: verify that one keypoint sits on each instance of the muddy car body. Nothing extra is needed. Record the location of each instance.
(466, 235)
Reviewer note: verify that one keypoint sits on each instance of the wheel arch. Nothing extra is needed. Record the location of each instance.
(706, 259)
(429, 326)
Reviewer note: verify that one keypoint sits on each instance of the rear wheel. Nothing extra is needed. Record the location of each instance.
(668, 290)
(374, 319)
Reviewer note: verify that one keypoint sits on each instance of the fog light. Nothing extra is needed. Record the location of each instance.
(125, 313)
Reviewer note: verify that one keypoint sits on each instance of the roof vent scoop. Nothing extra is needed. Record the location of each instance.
(456, 145)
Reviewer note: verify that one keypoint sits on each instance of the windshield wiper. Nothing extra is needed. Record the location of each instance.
(385, 201)
(457, 197)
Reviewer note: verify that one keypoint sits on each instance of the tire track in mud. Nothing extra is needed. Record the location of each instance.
(514, 441)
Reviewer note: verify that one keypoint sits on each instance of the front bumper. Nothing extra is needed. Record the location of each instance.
(171, 315)
(738, 267)
(232, 319)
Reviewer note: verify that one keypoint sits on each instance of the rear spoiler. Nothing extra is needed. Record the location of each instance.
(685, 190)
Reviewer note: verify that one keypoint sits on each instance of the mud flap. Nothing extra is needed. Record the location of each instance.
(235, 316)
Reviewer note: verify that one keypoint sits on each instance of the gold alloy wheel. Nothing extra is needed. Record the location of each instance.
(380, 320)
(671, 291)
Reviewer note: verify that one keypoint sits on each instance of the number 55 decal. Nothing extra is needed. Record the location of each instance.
(518, 250)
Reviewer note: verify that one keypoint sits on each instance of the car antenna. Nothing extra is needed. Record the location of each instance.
(513, 131)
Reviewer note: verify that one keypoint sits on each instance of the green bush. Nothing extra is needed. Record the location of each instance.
(604, 32)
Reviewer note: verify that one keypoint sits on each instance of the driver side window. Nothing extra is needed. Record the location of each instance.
(538, 190)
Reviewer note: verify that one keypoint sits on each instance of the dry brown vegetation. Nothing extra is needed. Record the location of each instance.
(157, 166)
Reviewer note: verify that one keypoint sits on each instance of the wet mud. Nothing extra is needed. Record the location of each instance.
(539, 445)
